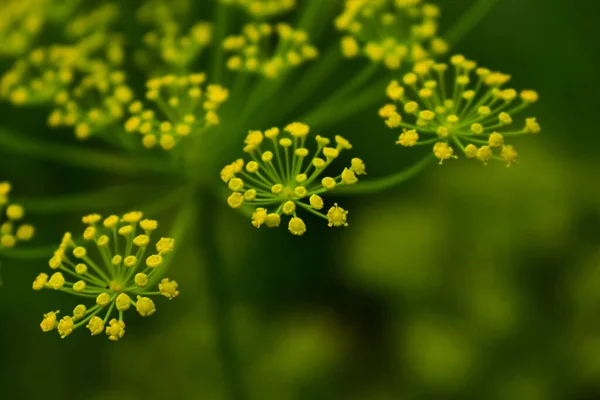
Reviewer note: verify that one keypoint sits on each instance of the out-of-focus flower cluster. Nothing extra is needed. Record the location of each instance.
(390, 31)
(286, 178)
(471, 110)
(22, 21)
(11, 232)
(110, 268)
(82, 79)
(262, 9)
(254, 51)
(187, 108)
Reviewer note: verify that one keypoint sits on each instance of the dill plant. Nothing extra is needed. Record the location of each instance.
(175, 96)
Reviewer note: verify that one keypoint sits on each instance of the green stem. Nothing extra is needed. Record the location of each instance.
(11, 141)
(221, 24)
(469, 20)
(381, 184)
(219, 295)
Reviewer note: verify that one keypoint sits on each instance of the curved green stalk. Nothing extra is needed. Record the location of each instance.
(78, 156)
(388, 182)
(469, 20)
(220, 298)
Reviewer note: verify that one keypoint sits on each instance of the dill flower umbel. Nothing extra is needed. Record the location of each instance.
(262, 9)
(471, 110)
(97, 102)
(390, 31)
(111, 269)
(11, 232)
(254, 52)
(188, 108)
(285, 180)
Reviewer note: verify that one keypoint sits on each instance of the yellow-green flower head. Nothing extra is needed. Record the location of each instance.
(96, 104)
(98, 19)
(12, 231)
(283, 178)
(469, 112)
(268, 50)
(21, 22)
(40, 76)
(262, 9)
(189, 108)
(176, 48)
(116, 276)
(390, 31)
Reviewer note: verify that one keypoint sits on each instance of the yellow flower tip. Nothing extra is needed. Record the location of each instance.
(410, 78)
(132, 217)
(56, 281)
(316, 202)
(91, 219)
(259, 216)
(25, 232)
(123, 302)
(484, 154)
(358, 166)
(236, 200)
(148, 225)
(65, 326)
(285, 142)
(388, 110)
(103, 299)
(532, 126)
(145, 306)
(277, 188)
(141, 280)
(411, 107)
(509, 154)
(529, 96)
(272, 220)
(250, 195)
(79, 311)
(296, 226)
(343, 143)
(496, 140)
(111, 221)
(505, 118)
(8, 241)
(79, 286)
(5, 188)
(300, 192)
(318, 163)
(227, 173)
(81, 269)
(168, 288)
(141, 240)
(408, 138)
(350, 47)
(330, 153)
(348, 177)
(443, 132)
(40, 282)
(272, 133)
(115, 330)
(322, 141)
(49, 321)
(328, 183)
(165, 245)
(15, 212)
(297, 129)
(289, 207)
(89, 233)
(427, 115)
(471, 151)
(154, 261)
(443, 151)
(103, 241)
(125, 230)
(394, 91)
(477, 128)
(95, 325)
(251, 167)
(337, 216)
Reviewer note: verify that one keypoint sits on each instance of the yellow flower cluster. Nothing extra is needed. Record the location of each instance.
(286, 177)
(188, 106)
(472, 109)
(38, 77)
(177, 49)
(9, 215)
(118, 280)
(97, 102)
(390, 31)
(268, 50)
(99, 19)
(263, 9)
(20, 23)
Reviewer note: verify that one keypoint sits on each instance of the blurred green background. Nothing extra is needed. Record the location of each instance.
(467, 282)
